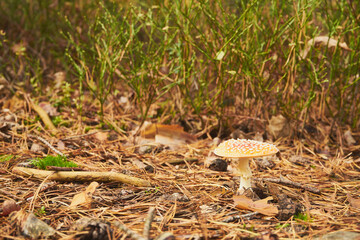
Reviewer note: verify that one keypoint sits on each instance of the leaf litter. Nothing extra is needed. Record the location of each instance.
(188, 200)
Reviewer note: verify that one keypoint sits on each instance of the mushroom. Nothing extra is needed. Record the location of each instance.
(241, 151)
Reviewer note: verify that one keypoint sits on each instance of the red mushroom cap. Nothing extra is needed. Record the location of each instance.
(242, 148)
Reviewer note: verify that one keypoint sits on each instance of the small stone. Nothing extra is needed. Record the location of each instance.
(33, 227)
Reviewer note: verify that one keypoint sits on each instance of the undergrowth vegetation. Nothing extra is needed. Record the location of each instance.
(194, 59)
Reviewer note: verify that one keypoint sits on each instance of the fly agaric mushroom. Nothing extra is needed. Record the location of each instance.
(241, 150)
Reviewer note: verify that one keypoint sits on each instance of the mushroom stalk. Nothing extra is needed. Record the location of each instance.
(242, 169)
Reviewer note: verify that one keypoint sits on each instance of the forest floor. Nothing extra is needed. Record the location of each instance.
(308, 194)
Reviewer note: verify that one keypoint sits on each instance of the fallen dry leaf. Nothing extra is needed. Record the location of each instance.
(279, 127)
(84, 198)
(262, 206)
(60, 145)
(167, 134)
(101, 136)
(325, 40)
(349, 139)
(49, 109)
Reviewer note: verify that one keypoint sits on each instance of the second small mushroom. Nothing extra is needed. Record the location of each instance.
(241, 151)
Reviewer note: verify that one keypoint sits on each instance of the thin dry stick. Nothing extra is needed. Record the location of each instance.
(282, 180)
(47, 144)
(32, 203)
(81, 176)
(148, 221)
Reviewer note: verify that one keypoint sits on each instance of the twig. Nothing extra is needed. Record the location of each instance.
(282, 180)
(47, 144)
(237, 217)
(5, 135)
(81, 176)
(32, 203)
(148, 221)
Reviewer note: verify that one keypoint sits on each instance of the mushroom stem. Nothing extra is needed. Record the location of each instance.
(242, 169)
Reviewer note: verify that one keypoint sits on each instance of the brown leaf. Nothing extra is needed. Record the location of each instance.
(49, 109)
(278, 126)
(349, 139)
(101, 136)
(167, 134)
(84, 198)
(60, 145)
(260, 206)
(325, 40)
(37, 148)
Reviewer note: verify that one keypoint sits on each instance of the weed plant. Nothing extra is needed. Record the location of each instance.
(57, 161)
(217, 59)
(5, 158)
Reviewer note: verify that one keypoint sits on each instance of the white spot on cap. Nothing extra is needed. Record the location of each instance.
(243, 148)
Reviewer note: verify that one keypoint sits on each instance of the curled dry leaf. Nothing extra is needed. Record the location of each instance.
(262, 206)
(279, 127)
(349, 138)
(323, 40)
(44, 117)
(49, 109)
(60, 145)
(101, 136)
(84, 198)
(167, 134)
